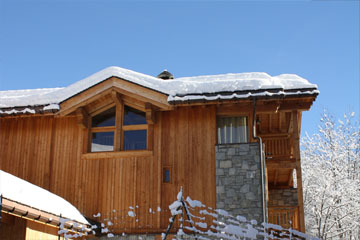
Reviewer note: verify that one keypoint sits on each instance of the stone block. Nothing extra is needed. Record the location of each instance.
(220, 205)
(236, 159)
(226, 164)
(245, 188)
(232, 171)
(220, 189)
(250, 196)
(229, 181)
(230, 193)
(244, 204)
(231, 151)
(254, 167)
(219, 172)
(245, 165)
(220, 156)
(250, 174)
(244, 147)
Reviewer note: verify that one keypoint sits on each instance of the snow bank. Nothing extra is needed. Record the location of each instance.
(21, 191)
(176, 89)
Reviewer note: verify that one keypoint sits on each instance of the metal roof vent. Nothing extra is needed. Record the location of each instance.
(165, 75)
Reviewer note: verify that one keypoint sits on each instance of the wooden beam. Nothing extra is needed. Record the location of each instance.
(142, 93)
(291, 182)
(119, 116)
(116, 97)
(82, 117)
(98, 106)
(238, 108)
(270, 124)
(276, 164)
(272, 186)
(85, 98)
(298, 105)
(276, 177)
(280, 117)
(274, 135)
(290, 129)
(106, 87)
(150, 114)
(20, 210)
(121, 154)
(296, 142)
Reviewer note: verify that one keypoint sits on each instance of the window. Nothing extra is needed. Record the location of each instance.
(118, 128)
(134, 129)
(103, 131)
(166, 175)
(232, 130)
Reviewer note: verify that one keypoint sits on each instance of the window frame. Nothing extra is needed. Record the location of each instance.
(119, 129)
(248, 137)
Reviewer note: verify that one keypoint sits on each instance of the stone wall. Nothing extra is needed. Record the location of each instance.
(283, 197)
(238, 180)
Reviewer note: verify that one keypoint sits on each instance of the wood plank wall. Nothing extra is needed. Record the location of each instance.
(47, 151)
(188, 149)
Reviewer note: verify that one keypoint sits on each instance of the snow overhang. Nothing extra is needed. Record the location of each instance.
(23, 199)
(231, 86)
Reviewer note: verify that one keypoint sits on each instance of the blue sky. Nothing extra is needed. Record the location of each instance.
(55, 43)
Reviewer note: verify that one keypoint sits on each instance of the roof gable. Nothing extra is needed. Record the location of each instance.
(114, 84)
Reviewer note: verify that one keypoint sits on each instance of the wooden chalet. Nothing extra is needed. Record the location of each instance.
(119, 145)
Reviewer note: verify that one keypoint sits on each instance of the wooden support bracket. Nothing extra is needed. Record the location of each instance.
(150, 114)
(116, 97)
(82, 117)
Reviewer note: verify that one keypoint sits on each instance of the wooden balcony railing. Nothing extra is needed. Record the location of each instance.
(284, 216)
(278, 147)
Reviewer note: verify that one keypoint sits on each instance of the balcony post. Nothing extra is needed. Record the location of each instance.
(296, 140)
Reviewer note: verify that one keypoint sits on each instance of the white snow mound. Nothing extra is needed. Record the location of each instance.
(26, 193)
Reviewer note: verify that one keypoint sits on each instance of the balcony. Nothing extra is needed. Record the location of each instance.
(284, 216)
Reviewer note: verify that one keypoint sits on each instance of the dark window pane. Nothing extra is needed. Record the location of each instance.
(232, 130)
(166, 175)
(133, 116)
(135, 140)
(102, 142)
(104, 119)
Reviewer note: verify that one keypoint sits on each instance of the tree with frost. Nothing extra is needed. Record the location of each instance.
(331, 179)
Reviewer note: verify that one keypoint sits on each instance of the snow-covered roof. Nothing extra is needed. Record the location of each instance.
(211, 87)
(21, 191)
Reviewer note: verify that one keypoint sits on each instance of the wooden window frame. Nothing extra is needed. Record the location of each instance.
(119, 129)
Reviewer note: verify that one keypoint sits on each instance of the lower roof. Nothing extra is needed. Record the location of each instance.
(23, 193)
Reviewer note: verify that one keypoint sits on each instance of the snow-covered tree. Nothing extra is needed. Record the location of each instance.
(331, 179)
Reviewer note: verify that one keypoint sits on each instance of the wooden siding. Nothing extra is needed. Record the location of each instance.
(188, 149)
(35, 230)
(49, 151)
(12, 227)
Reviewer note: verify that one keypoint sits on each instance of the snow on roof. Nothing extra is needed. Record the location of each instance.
(177, 89)
(28, 97)
(23, 192)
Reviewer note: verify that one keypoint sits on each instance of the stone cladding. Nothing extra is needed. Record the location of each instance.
(238, 180)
